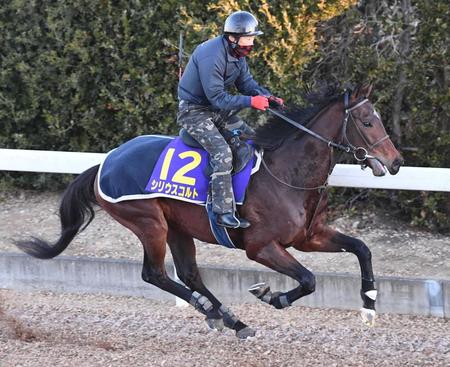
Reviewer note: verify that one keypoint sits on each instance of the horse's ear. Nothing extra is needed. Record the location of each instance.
(366, 89)
(362, 91)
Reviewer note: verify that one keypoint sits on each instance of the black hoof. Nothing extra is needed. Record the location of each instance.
(245, 333)
(261, 291)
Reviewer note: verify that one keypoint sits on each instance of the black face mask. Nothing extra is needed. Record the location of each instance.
(237, 50)
(242, 51)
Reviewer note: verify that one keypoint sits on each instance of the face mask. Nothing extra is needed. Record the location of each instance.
(238, 50)
(242, 51)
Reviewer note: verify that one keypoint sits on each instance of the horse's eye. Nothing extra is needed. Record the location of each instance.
(367, 123)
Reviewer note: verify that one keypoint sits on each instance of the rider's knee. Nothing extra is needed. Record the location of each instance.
(223, 160)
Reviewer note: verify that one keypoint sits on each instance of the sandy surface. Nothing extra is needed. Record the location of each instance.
(397, 249)
(46, 329)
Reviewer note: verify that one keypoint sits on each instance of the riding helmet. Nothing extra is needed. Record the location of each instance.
(242, 23)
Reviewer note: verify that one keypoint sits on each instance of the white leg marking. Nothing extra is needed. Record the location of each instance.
(372, 294)
(368, 316)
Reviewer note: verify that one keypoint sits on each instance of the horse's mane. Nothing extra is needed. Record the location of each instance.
(275, 131)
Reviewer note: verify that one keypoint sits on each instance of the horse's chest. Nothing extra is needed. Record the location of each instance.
(295, 221)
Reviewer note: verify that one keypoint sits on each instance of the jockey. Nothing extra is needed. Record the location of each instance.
(207, 109)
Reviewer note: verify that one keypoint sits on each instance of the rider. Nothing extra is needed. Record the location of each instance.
(205, 104)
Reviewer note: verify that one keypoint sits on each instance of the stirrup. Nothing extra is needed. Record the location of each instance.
(244, 223)
(231, 220)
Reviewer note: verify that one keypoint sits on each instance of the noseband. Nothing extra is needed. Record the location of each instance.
(360, 153)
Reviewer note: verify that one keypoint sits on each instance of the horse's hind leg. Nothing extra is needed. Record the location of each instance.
(146, 220)
(154, 273)
(183, 252)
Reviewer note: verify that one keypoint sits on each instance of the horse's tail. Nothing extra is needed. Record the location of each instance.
(76, 205)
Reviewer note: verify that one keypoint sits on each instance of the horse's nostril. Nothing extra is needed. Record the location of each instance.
(398, 162)
(396, 165)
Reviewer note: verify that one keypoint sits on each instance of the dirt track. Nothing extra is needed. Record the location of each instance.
(397, 249)
(45, 329)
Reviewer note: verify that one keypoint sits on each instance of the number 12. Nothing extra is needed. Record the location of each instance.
(180, 175)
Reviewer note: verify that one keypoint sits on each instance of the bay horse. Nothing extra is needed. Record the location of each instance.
(285, 203)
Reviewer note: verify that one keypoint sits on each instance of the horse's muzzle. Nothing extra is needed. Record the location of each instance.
(395, 166)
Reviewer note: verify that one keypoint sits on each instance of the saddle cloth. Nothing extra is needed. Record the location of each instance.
(151, 166)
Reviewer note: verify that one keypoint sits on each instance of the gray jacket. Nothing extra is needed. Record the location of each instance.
(211, 71)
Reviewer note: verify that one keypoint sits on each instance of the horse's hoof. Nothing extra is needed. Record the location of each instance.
(261, 291)
(368, 317)
(258, 289)
(215, 324)
(245, 333)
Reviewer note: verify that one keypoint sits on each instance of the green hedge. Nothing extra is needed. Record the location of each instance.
(403, 48)
(88, 75)
(85, 75)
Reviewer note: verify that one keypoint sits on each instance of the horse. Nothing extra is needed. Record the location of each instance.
(286, 203)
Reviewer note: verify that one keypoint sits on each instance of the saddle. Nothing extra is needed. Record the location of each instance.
(242, 151)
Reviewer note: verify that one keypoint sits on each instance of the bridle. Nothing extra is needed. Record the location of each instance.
(360, 153)
(350, 148)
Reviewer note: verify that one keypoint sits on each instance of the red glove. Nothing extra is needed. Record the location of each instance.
(276, 101)
(259, 103)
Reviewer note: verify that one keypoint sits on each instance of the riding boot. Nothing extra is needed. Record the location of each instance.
(223, 201)
(230, 220)
(242, 153)
(227, 220)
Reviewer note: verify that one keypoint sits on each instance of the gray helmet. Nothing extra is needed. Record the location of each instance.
(242, 23)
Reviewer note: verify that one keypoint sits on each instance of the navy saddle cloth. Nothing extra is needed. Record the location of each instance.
(151, 166)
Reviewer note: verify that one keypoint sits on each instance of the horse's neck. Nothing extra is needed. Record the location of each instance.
(328, 124)
(307, 161)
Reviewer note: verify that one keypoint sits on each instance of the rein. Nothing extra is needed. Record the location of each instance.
(330, 143)
(320, 187)
(349, 148)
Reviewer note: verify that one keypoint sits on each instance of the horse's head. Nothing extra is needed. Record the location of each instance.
(365, 133)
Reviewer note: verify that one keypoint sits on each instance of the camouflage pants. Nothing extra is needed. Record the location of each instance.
(207, 127)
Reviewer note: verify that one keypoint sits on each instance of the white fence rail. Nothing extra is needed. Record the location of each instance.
(344, 175)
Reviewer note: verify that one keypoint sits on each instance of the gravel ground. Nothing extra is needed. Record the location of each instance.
(397, 249)
(46, 329)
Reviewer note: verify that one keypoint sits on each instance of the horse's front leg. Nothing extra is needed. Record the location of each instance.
(326, 239)
(277, 258)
